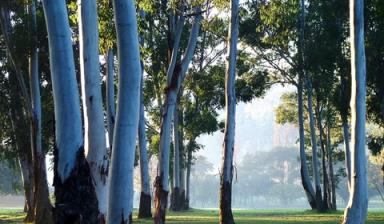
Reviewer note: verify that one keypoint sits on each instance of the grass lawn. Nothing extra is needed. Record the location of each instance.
(241, 216)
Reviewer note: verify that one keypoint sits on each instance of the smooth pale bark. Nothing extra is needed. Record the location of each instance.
(182, 159)
(145, 196)
(95, 146)
(305, 179)
(356, 210)
(226, 176)
(347, 149)
(127, 117)
(110, 96)
(315, 162)
(174, 81)
(42, 204)
(72, 180)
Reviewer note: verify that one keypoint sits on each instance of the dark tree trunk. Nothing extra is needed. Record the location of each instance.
(27, 174)
(145, 206)
(160, 202)
(226, 203)
(76, 200)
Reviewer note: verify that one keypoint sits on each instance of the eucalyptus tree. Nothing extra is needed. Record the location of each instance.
(271, 39)
(176, 73)
(42, 207)
(94, 132)
(356, 210)
(74, 191)
(120, 202)
(226, 177)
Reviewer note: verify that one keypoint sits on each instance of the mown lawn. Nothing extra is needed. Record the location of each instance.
(241, 216)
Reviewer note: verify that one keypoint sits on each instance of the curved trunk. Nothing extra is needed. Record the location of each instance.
(145, 196)
(356, 210)
(94, 133)
(226, 177)
(315, 162)
(347, 149)
(110, 96)
(72, 178)
(127, 117)
(305, 179)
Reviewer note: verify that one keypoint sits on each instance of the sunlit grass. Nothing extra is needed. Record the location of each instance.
(205, 216)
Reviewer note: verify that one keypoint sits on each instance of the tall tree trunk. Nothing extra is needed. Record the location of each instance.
(110, 96)
(347, 149)
(127, 117)
(226, 177)
(356, 210)
(175, 76)
(315, 162)
(145, 195)
(74, 192)
(175, 197)
(330, 164)
(305, 179)
(326, 197)
(42, 204)
(95, 146)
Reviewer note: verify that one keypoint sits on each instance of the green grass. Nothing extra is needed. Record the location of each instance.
(241, 216)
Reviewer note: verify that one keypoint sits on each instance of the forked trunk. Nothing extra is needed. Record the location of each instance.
(226, 177)
(120, 197)
(356, 210)
(175, 76)
(75, 198)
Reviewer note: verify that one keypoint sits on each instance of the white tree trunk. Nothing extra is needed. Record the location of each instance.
(110, 95)
(356, 210)
(70, 184)
(315, 161)
(94, 132)
(175, 197)
(145, 197)
(226, 177)
(174, 81)
(306, 181)
(127, 118)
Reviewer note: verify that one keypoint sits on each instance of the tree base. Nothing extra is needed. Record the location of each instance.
(160, 202)
(145, 206)
(226, 216)
(76, 200)
(176, 200)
